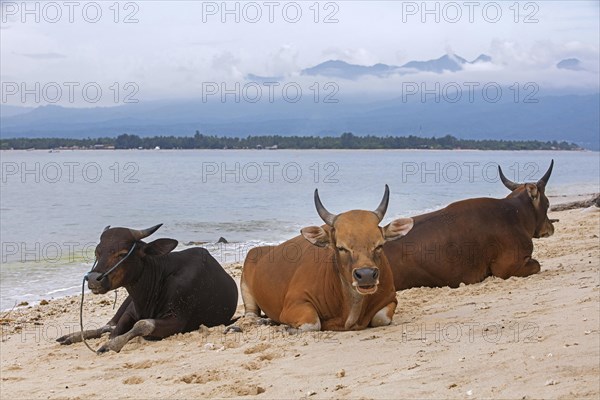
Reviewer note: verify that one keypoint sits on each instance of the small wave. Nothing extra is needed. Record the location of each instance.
(62, 290)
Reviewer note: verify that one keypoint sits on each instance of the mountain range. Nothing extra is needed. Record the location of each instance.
(446, 63)
(555, 116)
(342, 69)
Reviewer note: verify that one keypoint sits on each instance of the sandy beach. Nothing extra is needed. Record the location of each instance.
(534, 337)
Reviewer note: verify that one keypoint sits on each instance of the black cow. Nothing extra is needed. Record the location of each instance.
(169, 292)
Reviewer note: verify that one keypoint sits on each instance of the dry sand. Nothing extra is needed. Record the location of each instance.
(520, 338)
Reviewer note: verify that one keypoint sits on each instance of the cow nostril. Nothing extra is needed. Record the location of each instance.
(375, 274)
(357, 275)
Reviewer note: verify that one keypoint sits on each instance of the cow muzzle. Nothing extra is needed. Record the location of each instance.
(98, 283)
(365, 280)
(547, 229)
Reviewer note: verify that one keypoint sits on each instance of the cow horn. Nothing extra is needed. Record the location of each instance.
(382, 208)
(138, 235)
(107, 228)
(544, 179)
(325, 215)
(510, 185)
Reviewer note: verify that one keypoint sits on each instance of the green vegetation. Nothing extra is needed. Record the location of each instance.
(345, 141)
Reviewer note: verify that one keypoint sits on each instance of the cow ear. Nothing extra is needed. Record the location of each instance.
(316, 235)
(532, 190)
(397, 228)
(160, 247)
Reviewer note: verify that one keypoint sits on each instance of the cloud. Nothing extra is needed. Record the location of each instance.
(284, 61)
(42, 56)
(482, 66)
(541, 54)
(170, 54)
(353, 56)
(227, 63)
(211, 43)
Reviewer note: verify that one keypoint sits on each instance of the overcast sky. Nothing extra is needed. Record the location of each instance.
(176, 46)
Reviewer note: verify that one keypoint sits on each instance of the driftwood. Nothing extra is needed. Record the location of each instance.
(594, 201)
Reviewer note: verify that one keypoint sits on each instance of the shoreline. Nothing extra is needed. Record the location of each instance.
(537, 336)
(570, 199)
(58, 150)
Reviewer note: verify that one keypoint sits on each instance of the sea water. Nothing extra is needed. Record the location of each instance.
(54, 205)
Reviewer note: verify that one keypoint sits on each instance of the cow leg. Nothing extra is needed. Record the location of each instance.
(96, 333)
(126, 322)
(384, 316)
(88, 334)
(300, 318)
(159, 328)
(516, 261)
(530, 267)
(527, 267)
(251, 308)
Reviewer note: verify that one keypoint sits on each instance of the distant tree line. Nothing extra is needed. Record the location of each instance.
(345, 141)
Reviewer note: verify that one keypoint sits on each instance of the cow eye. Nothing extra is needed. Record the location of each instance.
(343, 249)
(121, 255)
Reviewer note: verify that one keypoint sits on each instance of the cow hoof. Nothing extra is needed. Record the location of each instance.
(64, 340)
(232, 328)
(102, 350)
(266, 321)
(69, 339)
(291, 330)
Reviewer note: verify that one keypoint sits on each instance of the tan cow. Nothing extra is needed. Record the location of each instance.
(332, 277)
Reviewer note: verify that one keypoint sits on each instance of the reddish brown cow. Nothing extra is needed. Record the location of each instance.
(332, 277)
(472, 239)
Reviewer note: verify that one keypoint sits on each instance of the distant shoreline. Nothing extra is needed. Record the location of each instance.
(347, 141)
(55, 150)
